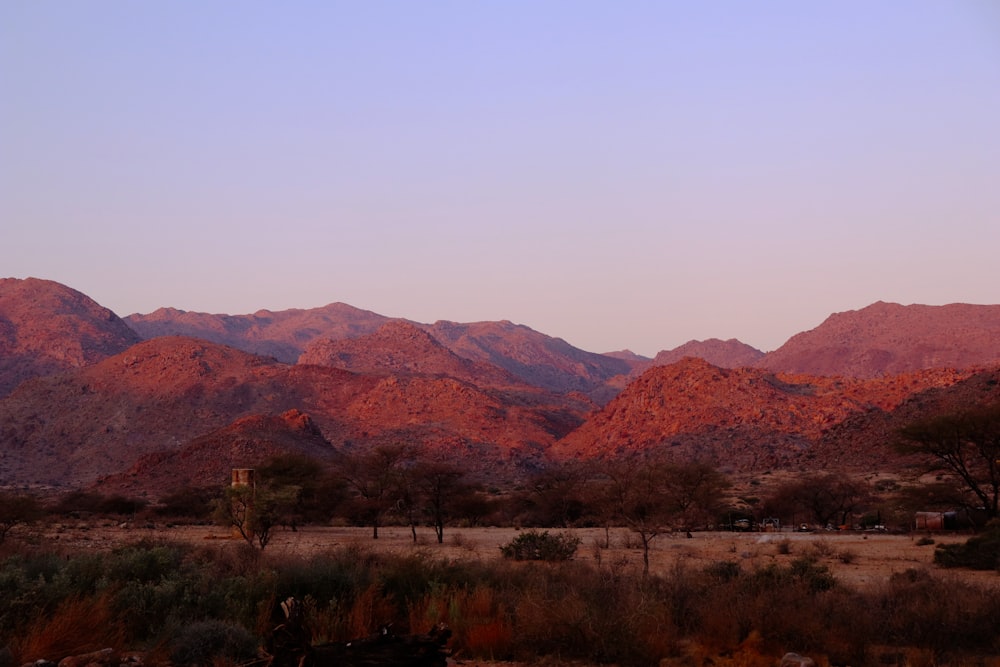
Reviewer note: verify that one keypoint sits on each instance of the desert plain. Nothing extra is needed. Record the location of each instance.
(855, 558)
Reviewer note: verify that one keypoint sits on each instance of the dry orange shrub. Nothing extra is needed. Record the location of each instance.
(76, 626)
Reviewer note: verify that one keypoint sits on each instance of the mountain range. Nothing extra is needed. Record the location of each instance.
(140, 404)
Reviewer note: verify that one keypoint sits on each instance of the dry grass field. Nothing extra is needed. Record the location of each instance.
(557, 610)
(856, 559)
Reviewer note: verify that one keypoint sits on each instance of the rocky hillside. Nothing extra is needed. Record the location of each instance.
(887, 338)
(208, 460)
(71, 429)
(47, 328)
(850, 442)
(537, 359)
(741, 419)
(84, 401)
(401, 348)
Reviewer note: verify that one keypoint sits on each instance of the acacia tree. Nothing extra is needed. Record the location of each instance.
(255, 510)
(558, 494)
(442, 489)
(964, 445)
(827, 498)
(376, 479)
(636, 492)
(319, 490)
(693, 492)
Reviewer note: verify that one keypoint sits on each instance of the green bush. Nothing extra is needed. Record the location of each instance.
(723, 570)
(533, 545)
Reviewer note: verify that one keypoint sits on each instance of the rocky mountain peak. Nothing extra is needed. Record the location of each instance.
(46, 327)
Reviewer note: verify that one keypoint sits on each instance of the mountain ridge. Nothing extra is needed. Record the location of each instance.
(498, 397)
(73, 332)
(886, 338)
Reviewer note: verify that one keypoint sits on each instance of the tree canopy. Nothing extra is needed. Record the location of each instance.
(965, 446)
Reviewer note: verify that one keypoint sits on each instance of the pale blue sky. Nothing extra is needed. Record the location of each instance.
(618, 174)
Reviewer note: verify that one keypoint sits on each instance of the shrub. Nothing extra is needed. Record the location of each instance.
(205, 642)
(924, 541)
(816, 577)
(723, 570)
(945, 615)
(981, 552)
(77, 625)
(822, 548)
(533, 545)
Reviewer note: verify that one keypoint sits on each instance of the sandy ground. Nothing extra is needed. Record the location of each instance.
(855, 559)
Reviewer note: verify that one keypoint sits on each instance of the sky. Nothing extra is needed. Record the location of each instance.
(622, 175)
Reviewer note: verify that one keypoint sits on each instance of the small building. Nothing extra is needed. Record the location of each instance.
(936, 520)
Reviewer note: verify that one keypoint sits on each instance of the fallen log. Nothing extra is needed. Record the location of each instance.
(290, 645)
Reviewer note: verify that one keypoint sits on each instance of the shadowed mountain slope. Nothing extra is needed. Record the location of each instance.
(537, 359)
(401, 348)
(208, 460)
(864, 441)
(46, 327)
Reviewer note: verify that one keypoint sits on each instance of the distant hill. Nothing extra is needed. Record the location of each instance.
(887, 338)
(85, 400)
(46, 328)
(283, 334)
(723, 353)
(540, 360)
(401, 348)
(537, 359)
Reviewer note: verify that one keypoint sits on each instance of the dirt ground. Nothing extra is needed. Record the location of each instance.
(855, 559)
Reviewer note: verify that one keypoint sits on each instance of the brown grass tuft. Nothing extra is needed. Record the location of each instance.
(77, 626)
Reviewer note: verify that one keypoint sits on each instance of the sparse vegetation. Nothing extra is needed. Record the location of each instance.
(980, 552)
(214, 606)
(847, 556)
(17, 509)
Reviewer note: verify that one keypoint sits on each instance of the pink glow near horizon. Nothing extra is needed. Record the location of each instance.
(620, 175)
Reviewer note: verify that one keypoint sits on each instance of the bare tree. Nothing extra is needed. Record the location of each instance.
(442, 487)
(376, 479)
(636, 492)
